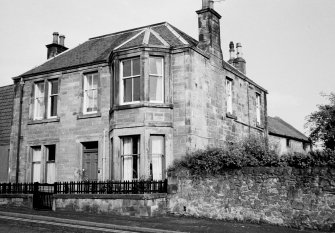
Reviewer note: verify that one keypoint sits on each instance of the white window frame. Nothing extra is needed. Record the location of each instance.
(158, 76)
(128, 77)
(87, 88)
(37, 98)
(123, 155)
(229, 95)
(50, 96)
(258, 109)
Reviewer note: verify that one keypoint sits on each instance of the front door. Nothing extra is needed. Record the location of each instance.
(90, 161)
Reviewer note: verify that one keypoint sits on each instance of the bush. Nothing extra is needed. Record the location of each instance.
(248, 152)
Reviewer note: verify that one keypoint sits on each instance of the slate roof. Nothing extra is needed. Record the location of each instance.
(279, 127)
(98, 49)
(6, 113)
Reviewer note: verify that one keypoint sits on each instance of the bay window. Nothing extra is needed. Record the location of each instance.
(130, 154)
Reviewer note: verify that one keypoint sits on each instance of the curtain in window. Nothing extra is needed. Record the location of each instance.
(50, 172)
(37, 155)
(127, 159)
(157, 150)
(39, 101)
(156, 91)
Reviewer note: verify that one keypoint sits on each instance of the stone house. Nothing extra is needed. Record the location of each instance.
(6, 106)
(125, 105)
(285, 138)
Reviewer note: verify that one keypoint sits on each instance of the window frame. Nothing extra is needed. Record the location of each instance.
(138, 155)
(229, 96)
(258, 109)
(35, 104)
(48, 161)
(132, 77)
(33, 162)
(85, 88)
(163, 156)
(49, 81)
(157, 76)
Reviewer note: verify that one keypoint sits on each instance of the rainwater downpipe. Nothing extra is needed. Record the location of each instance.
(21, 85)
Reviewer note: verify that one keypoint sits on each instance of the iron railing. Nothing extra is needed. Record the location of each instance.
(87, 187)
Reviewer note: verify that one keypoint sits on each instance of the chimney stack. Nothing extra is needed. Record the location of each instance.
(209, 29)
(239, 61)
(56, 47)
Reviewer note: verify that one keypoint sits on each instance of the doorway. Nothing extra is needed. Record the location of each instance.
(90, 161)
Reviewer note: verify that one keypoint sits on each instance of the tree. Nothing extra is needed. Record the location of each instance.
(321, 123)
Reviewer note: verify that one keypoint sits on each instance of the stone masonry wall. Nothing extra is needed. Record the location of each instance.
(302, 198)
(142, 205)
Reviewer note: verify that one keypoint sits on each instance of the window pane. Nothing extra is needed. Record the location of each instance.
(51, 152)
(136, 89)
(156, 66)
(36, 172)
(127, 168)
(157, 145)
(127, 85)
(95, 81)
(126, 68)
(135, 167)
(53, 106)
(39, 90)
(157, 167)
(51, 173)
(37, 154)
(89, 101)
(136, 67)
(95, 100)
(54, 87)
(155, 88)
(127, 146)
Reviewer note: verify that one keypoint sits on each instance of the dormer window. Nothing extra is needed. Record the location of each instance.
(130, 80)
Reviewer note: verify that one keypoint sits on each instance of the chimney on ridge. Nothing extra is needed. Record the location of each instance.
(56, 47)
(209, 29)
(231, 52)
(239, 61)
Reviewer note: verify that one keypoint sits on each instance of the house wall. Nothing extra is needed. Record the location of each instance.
(200, 104)
(279, 144)
(67, 132)
(4, 157)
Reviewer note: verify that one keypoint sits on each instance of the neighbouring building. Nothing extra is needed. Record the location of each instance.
(125, 105)
(6, 115)
(285, 138)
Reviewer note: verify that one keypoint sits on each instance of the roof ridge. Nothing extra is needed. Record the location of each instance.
(128, 30)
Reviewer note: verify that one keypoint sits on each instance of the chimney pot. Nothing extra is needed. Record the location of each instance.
(55, 38)
(231, 51)
(239, 50)
(61, 40)
(207, 4)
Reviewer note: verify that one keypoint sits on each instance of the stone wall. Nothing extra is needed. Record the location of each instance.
(139, 205)
(302, 198)
(16, 201)
(279, 144)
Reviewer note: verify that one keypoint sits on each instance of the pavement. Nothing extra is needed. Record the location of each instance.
(87, 222)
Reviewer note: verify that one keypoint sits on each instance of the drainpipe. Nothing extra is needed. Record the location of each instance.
(19, 131)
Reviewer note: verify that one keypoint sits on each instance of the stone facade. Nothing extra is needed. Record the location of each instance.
(287, 145)
(188, 110)
(301, 198)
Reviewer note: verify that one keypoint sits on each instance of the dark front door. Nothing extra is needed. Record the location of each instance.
(90, 161)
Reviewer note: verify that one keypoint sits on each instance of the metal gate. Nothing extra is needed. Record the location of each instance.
(43, 196)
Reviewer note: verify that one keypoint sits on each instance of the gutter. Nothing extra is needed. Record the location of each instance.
(21, 84)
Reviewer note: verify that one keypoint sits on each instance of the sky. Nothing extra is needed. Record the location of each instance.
(288, 44)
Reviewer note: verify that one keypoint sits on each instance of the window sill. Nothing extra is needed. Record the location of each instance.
(229, 115)
(140, 105)
(43, 121)
(86, 116)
